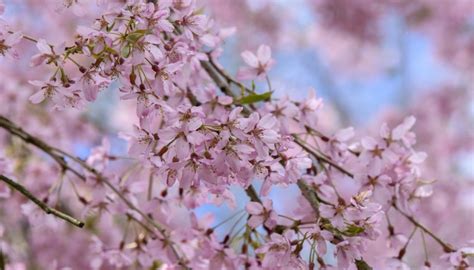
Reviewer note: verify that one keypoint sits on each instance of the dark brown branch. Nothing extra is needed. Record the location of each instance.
(321, 157)
(252, 194)
(309, 195)
(48, 210)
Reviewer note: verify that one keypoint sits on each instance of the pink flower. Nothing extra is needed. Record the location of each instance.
(347, 251)
(321, 237)
(91, 85)
(277, 251)
(160, 18)
(459, 259)
(48, 90)
(224, 259)
(261, 131)
(396, 241)
(259, 64)
(46, 53)
(193, 24)
(140, 143)
(285, 111)
(7, 41)
(99, 156)
(261, 214)
(402, 131)
(309, 109)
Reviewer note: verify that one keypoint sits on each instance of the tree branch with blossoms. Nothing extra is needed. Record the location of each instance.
(60, 157)
(48, 210)
(199, 132)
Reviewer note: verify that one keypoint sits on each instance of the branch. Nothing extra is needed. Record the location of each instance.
(310, 196)
(48, 210)
(306, 191)
(210, 68)
(227, 77)
(60, 157)
(446, 247)
(252, 194)
(321, 157)
(215, 77)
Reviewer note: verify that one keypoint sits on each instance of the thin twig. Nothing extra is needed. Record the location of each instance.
(446, 247)
(60, 157)
(48, 210)
(310, 196)
(321, 157)
(227, 77)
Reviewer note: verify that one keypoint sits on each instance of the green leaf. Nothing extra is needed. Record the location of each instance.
(134, 37)
(362, 265)
(253, 98)
(110, 50)
(156, 265)
(125, 51)
(353, 230)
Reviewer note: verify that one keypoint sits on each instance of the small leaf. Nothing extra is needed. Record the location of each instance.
(353, 230)
(110, 50)
(125, 51)
(253, 98)
(110, 27)
(255, 244)
(134, 37)
(362, 265)
(156, 265)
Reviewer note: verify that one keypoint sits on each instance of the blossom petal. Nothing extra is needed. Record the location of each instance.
(37, 97)
(264, 54)
(250, 58)
(254, 208)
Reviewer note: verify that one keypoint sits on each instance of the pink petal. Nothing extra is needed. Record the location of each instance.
(264, 54)
(402, 129)
(255, 221)
(182, 148)
(37, 59)
(13, 39)
(250, 58)
(268, 204)
(165, 25)
(267, 122)
(90, 92)
(247, 73)
(254, 208)
(43, 46)
(344, 134)
(369, 143)
(37, 97)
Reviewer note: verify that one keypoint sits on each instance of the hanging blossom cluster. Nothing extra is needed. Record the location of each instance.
(200, 132)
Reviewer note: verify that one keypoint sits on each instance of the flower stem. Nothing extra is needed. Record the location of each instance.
(446, 247)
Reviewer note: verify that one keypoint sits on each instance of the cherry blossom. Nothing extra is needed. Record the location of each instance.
(261, 214)
(196, 137)
(259, 64)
